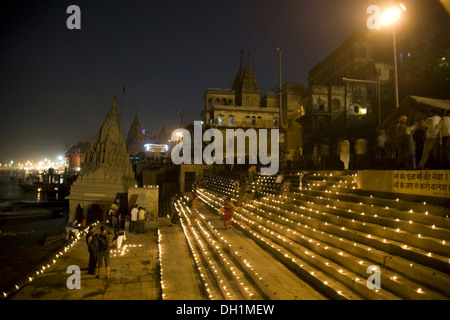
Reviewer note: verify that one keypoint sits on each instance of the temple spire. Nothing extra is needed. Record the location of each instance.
(241, 66)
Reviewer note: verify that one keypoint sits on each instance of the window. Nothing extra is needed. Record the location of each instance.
(231, 119)
(356, 109)
(253, 121)
(275, 122)
(322, 107)
(219, 119)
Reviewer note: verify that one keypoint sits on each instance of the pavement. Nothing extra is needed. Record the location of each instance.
(136, 270)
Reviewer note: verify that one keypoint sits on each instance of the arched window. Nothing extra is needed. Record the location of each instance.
(217, 102)
(223, 102)
(210, 102)
(231, 119)
(247, 120)
(220, 119)
(230, 102)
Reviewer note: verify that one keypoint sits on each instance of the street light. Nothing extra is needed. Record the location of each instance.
(391, 17)
(280, 121)
(181, 118)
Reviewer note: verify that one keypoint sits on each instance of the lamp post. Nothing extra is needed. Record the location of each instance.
(280, 116)
(181, 118)
(390, 17)
(280, 121)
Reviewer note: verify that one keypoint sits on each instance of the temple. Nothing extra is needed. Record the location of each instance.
(106, 173)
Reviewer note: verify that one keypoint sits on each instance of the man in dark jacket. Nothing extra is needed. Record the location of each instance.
(92, 244)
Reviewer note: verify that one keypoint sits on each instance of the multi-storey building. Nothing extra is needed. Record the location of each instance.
(343, 98)
(243, 107)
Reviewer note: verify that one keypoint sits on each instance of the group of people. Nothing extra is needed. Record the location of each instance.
(137, 221)
(360, 149)
(424, 145)
(116, 216)
(99, 247)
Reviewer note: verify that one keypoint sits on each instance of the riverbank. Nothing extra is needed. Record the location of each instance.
(23, 247)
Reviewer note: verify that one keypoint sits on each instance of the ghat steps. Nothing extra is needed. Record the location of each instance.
(334, 238)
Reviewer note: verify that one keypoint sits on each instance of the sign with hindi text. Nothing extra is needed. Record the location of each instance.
(423, 182)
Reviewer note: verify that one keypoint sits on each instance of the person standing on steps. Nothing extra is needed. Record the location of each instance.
(104, 243)
(444, 129)
(344, 152)
(92, 244)
(431, 146)
(401, 141)
(134, 219)
(141, 218)
(228, 210)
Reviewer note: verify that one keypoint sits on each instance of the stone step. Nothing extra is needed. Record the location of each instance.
(229, 269)
(411, 246)
(411, 221)
(312, 274)
(383, 238)
(409, 212)
(318, 239)
(209, 282)
(439, 213)
(210, 272)
(342, 273)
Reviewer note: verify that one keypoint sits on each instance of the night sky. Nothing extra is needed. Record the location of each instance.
(57, 84)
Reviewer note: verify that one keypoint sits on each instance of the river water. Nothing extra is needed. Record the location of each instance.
(10, 191)
(21, 247)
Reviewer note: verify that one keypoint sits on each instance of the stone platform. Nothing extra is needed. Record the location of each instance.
(135, 275)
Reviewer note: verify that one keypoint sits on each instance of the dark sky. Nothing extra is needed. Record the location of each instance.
(57, 84)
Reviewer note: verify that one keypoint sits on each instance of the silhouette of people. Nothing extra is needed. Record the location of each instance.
(382, 139)
(401, 141)
(92, 244)
(431, 146)
(285, 190)
(141, 219)
(444, 129)
(134, 219)
(419, 136)
(344, 152)
(119, 238)
(194, 204)
(71, 229)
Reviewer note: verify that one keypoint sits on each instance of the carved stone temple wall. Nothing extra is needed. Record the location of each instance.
(106, 172)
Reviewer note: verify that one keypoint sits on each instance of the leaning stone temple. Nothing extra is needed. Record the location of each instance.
(106, 173)
(135, 139)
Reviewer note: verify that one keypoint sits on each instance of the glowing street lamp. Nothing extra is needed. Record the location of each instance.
(391, 17)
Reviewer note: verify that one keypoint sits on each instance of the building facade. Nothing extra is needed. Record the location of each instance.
(343, 97)
(242, 106)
